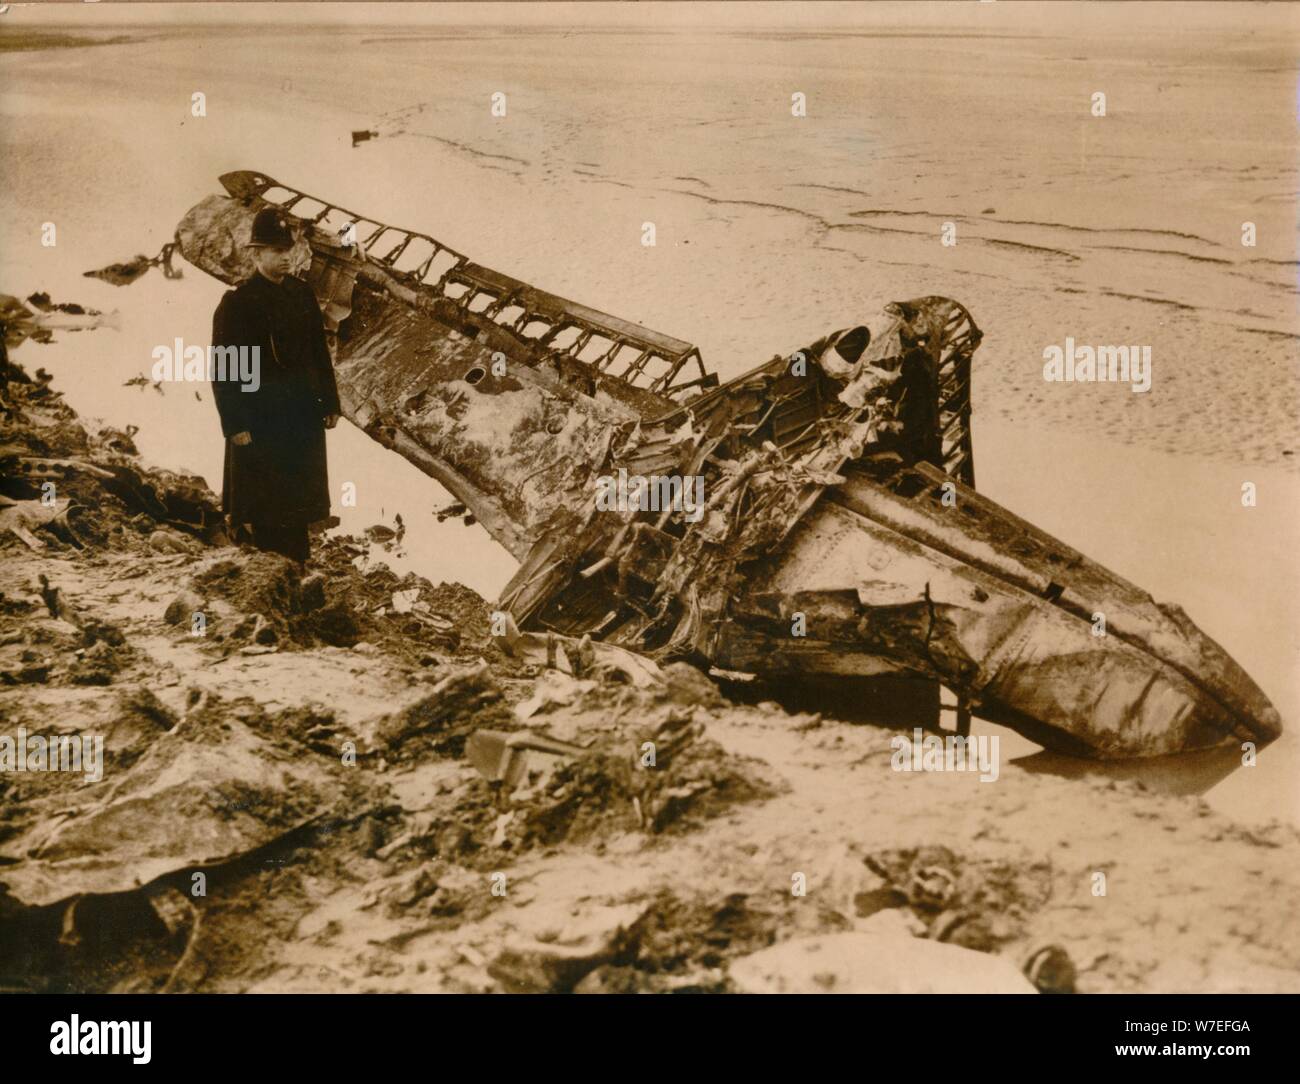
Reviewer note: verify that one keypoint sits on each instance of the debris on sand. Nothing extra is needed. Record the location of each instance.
(65, 647)
(979, 905)
(142, 381)
(510, 758)
(455, 510)
(667, 944)
(66, 487)
(340, 606)
(607, 937)
(19, 517)
(591, 773)
(126, 272)
(439, 723)
(199, 795)
(1051, 970)
(579, 657)
(42, 302)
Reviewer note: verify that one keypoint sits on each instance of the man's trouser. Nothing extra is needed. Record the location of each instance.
(288, 539)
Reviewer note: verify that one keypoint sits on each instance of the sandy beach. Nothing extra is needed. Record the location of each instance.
(976, 124)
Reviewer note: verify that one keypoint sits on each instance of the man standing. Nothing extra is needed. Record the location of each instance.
(275, 481)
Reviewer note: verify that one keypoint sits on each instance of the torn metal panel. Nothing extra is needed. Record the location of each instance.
(832, 488)
(184, 805)
(871, 595)
(510, 757)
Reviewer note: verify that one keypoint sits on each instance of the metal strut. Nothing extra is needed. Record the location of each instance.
(646, 359)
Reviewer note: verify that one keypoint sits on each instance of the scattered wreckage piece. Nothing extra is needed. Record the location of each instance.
(190, 802)
(165, 496)
(511, 757)
(584, 769)
(813, 516)
(86, 466)
(42, 469)
(125, 273)
(579, 657)
(37, 319)
(20, 518)
(181, 500)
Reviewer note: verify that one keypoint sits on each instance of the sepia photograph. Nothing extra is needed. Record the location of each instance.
(604, 498)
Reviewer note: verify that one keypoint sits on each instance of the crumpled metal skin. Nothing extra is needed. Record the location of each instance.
(839, 500)
(185, 804)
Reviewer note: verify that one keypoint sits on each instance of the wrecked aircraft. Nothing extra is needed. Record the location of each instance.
(837, 532)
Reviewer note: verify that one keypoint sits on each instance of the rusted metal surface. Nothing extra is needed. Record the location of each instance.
(836, 531)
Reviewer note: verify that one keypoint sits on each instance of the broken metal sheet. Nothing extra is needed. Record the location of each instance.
(561, 652)
(22, 517)
(554, 689)
(191, 801)
(511, 758)
(838, 478)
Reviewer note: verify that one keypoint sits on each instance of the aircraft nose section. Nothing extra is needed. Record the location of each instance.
(1223, 682)
(1172, 691)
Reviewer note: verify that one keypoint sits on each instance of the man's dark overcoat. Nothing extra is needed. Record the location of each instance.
(280, 478)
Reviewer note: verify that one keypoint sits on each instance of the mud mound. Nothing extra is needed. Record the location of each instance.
(340, 606)
(268, 590)
(462, 700)
(280, 606)
(106, 497)
(448, 618)
(263, 583)
(465, 607)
